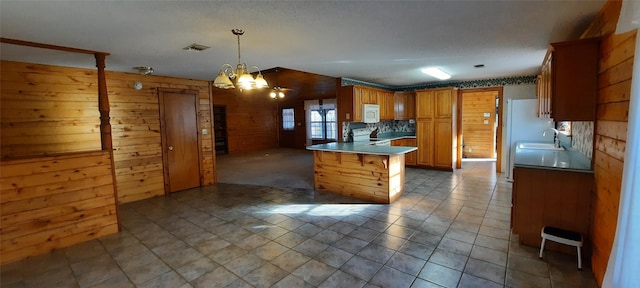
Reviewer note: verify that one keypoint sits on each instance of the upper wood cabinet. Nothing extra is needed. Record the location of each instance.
(568, 83)
(404, 105)
(386, 102)
(425, 103)
(351, 99)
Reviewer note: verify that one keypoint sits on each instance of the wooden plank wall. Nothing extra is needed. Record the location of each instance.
(614, 91)
(614, 82)
(47, 109)
(251, 119)
(135, 123)
(55, 202)
(479, 138)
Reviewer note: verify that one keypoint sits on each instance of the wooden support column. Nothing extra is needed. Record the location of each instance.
(103, 104)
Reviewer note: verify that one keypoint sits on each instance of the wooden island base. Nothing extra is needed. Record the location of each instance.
(378, 178)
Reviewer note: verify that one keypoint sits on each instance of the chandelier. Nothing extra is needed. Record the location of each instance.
(244, 79)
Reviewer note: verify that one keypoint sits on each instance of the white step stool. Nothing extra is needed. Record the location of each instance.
(562, 236)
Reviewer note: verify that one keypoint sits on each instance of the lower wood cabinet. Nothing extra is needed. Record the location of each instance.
(544, 197)
(425, 139)
(411, 157)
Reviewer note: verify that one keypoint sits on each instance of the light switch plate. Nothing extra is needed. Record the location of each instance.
(487, 114)
(205, 131)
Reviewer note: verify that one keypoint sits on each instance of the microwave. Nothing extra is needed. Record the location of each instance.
(370, 113)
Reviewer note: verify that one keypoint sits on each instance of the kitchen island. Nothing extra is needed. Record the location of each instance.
(360, 170)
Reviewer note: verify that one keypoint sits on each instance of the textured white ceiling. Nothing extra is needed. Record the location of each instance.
(383, 42)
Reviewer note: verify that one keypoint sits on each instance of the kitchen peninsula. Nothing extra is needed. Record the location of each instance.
(360, 169)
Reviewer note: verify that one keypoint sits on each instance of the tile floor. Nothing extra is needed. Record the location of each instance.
(449, 230)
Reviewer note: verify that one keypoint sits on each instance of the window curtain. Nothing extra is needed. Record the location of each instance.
(308, 106)
(624, 260)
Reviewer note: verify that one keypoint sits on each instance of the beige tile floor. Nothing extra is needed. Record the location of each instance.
(448, 229)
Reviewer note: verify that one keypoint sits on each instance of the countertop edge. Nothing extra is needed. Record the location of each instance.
(363, 149)
(552, 168)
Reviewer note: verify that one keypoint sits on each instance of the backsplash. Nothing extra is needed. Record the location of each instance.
(383, 127)
(582, 137)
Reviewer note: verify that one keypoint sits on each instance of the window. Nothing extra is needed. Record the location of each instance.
(288, 121)
(323, 124)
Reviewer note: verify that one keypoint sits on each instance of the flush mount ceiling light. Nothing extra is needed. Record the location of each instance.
(244, 80)
(436, 72)
(144, 70)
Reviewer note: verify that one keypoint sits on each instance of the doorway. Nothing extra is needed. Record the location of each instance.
(480, 125)
(180, 141)
(220, 129)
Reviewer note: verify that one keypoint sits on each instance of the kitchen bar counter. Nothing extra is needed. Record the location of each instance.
(360, 170)
(564, 160)
(364, 147)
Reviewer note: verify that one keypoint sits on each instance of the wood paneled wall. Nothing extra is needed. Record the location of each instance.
(479, 138)
(251, 119)
(135, 124)
(55, 202)
(52, 109)
(614, 91)
(614, 82)
(47, 110)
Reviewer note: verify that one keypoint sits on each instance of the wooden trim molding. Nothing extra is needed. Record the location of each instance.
(49, 46)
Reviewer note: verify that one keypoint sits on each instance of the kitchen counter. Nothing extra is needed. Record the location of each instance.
(564, 160)
(363, 147)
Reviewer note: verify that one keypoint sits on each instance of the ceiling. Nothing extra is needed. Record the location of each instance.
(382, 42)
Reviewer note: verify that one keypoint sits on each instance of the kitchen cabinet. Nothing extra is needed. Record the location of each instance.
(387, 105)
(568, 82)
(350, 101)
(436, 132)
(551, 197)
(411, 157)
(404, 105)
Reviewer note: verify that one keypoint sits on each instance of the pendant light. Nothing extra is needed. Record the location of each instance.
(244, 79)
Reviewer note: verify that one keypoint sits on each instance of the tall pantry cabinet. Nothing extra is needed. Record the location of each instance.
(436, 131)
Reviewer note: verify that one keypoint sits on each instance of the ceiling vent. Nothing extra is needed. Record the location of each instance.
(196, 47)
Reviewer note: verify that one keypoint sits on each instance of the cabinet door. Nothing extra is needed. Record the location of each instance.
(425, 141)
(443, 103)
(405, 106)
(443, 143)
(357, 103)
(411, 157)
(386, 101)
(410, 106)
(424, 105)
(399, 100)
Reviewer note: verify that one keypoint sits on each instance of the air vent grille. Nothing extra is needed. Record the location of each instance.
(196, 47)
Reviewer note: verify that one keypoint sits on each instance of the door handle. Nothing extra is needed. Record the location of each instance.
(170, 148)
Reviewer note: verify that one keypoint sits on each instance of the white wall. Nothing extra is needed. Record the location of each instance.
(514, 92)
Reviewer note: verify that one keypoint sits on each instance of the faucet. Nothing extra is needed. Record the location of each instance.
(556, 141)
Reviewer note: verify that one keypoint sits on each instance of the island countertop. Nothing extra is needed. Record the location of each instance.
(363, 147)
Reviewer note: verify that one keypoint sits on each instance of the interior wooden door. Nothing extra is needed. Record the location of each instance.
(178, 117)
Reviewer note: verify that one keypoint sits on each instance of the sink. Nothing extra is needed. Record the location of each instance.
(539, 146)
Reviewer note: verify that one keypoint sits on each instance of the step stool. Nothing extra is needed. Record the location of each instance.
(562, 236)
